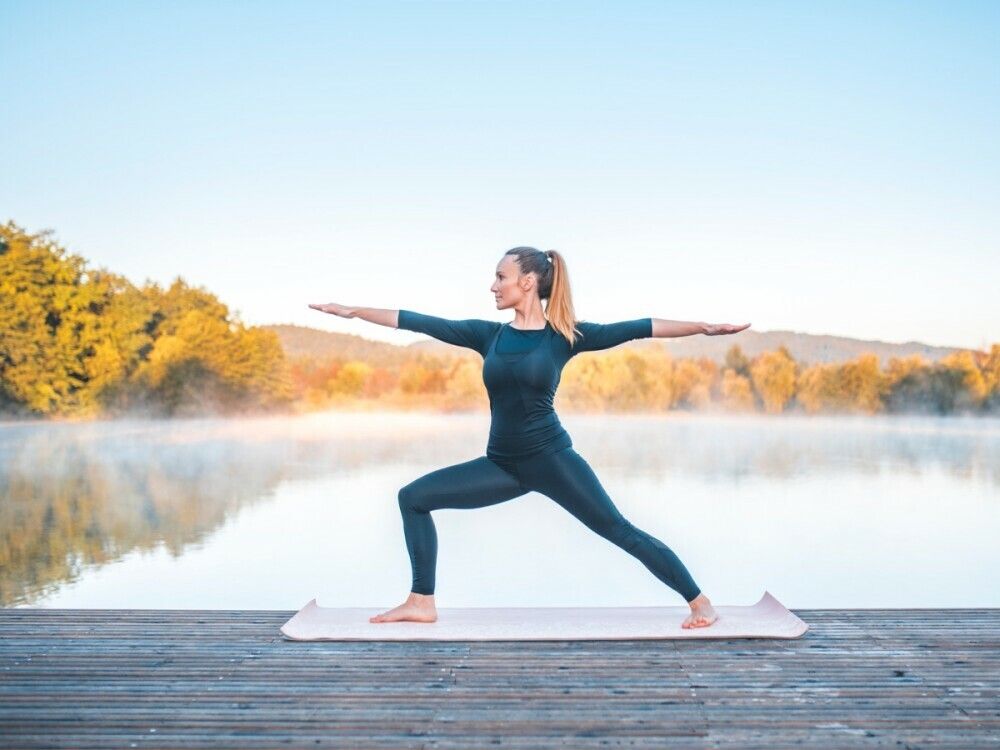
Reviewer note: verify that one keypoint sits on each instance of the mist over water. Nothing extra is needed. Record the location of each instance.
(267, 513)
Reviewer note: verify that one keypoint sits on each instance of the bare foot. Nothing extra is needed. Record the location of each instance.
(416, 608)
(702, 614)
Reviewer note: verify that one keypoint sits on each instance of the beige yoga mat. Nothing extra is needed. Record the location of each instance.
(768, 618)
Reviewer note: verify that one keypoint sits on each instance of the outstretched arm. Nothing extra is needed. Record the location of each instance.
(675, 328)
(597, 336)
(470, 333)
(372, 314)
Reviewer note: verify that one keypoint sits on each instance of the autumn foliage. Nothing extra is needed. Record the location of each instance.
(76, 341)
(650, 380)
(83, 342)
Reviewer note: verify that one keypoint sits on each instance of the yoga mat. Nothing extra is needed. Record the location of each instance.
(768, 618)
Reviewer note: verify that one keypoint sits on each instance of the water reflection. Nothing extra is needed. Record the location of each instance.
(266, 513)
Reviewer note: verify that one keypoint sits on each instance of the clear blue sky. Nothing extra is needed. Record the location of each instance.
(821, 167)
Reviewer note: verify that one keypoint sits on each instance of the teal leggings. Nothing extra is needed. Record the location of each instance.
(564, 476)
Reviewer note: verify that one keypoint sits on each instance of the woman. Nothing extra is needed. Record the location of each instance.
(528, 449)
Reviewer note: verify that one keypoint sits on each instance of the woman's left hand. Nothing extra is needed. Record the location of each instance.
(720, 329)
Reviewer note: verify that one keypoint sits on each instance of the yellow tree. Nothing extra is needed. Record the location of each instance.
(65, 335)
(862, 384)
(203, 359)
(616, 380)
(737, 361)
(774, 376)
(856, 385)
(465, 385)
(814, 388)
(971, 385)
(422, 375)
(659, 373)
(688, 387)
(737, 392)
(693, 381)
(991, 375)
(80, 341)
(901, 367)
(350, 379)
(258, 366)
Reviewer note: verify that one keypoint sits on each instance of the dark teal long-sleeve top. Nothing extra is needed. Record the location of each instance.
(521, 371)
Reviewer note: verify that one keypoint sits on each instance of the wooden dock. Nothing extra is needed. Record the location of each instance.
(85, 678)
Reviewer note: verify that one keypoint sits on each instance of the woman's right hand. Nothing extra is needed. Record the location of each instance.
(334, 309)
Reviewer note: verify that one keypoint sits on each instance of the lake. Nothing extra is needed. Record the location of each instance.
(267, 513)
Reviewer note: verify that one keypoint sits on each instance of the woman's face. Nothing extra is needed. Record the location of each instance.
(505, 287)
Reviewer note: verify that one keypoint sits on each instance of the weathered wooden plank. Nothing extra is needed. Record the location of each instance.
(189, 678)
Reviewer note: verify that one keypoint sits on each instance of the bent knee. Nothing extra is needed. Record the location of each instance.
(405, 496)
(410, 497)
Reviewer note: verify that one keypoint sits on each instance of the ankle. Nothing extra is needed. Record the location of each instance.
(699, 601)
(420, 598)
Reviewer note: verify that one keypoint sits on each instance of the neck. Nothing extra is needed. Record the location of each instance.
(531, 318)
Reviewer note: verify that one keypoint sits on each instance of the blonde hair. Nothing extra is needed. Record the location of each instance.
(553, 286)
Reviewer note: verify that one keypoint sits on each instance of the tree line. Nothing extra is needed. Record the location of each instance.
(76, 341)
(81, 342)
(650, 380)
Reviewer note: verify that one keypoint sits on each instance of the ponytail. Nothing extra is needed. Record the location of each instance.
(553, 286)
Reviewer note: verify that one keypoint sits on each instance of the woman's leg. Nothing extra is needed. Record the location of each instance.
(568, 479)
(471, 484)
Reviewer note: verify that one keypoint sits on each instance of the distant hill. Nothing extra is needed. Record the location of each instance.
(806, 348)
(300, 341)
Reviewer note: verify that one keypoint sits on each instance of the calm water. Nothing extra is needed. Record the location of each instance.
(269, 513)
